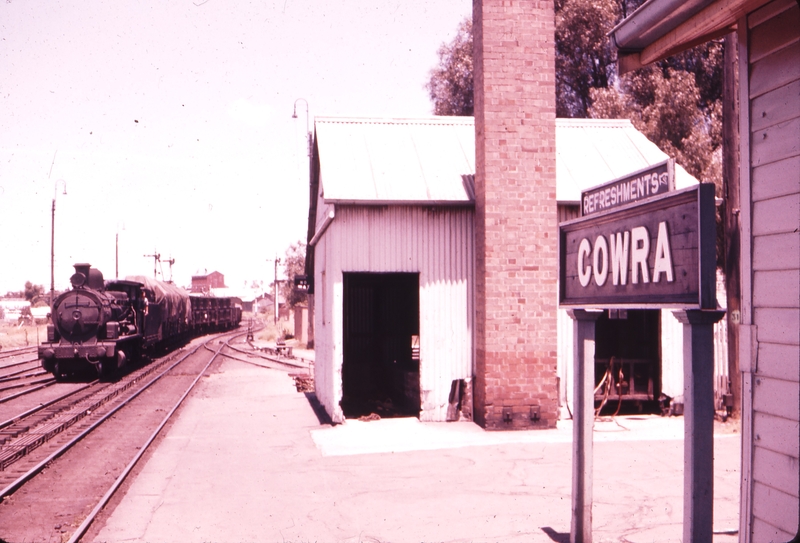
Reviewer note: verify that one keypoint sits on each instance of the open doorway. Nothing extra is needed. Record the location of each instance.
(628, 361)
(380, 371)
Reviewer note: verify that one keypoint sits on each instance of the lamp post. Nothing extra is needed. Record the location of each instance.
(308, 132)
(53, 239)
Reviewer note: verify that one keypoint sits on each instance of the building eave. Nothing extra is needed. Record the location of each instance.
(661, 28)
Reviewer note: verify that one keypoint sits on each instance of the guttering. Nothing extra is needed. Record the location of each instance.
(651, 21)
(326, 222)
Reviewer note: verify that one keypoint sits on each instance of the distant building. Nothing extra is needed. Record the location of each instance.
(13, 308)
(203, 283)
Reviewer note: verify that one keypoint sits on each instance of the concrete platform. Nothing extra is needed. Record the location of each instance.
(248, 461)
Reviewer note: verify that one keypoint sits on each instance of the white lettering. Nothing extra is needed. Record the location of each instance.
(640, 247)
(584, 273)
(663, 255)
(600, 246)
(619, 257)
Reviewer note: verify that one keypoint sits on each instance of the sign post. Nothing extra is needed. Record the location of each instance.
(657, 253)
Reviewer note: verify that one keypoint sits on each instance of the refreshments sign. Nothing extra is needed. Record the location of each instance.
(651, 181)
(658, 253)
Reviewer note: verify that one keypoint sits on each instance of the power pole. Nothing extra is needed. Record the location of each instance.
(277, 261)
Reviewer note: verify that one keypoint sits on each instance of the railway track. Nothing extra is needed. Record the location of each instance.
(29, 441)
(95, 438)
(9, 353)
(84, 526)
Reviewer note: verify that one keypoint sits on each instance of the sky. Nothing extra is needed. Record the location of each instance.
(169, 124)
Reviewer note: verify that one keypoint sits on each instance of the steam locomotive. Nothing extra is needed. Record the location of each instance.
(101, 325)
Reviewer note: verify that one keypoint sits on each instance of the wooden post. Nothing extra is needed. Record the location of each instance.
(730, 178)
(698, 420)
(582, 423)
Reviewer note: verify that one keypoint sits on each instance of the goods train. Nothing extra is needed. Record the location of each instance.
(100, 325)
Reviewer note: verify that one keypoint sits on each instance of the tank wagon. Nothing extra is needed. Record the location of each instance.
(100, 325)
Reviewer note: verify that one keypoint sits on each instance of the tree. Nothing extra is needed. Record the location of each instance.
(451, 83)
(294, 263)
(32, 291)
(676, 103)
(585, 57)
(668, 107)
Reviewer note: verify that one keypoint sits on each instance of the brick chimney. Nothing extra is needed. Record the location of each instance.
(516, 226)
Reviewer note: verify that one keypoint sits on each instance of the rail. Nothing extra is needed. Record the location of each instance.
(84, 526)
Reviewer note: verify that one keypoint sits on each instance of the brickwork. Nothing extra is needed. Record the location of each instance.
(516, 224)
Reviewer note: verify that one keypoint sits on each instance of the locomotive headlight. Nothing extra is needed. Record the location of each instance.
(112, 330)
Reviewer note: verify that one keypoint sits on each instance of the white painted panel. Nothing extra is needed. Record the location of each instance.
(775, 507)
(777, 252)
(768, 11)
(777, 397)
(777, 215)
(776, 288)
(565, 356)
(768, 533)
(775, 142)
(776, 179)
(777, 325)
(774, 34)
(776, 107)
(779, 361)
(776, 434)
(778, 471)
(671, 354)
(775, 70)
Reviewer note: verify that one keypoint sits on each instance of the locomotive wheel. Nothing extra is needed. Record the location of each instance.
(101, 369)
(121, 359)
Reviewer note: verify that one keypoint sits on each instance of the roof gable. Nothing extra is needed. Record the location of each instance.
(422, 161)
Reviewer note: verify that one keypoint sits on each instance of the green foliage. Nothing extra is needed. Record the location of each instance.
(585, 57)
(451, 82)
(32, 291)
(676, 103)
(294, 263)
(667, 106)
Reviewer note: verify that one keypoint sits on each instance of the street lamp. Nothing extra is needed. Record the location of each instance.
(308, 132)
(53, 239)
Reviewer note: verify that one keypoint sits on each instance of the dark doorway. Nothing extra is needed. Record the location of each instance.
(627, 356)
(380, 372)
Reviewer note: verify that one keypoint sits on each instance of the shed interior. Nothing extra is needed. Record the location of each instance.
(380, 368)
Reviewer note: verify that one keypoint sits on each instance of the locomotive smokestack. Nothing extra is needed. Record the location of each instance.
(86, 276)
(83, 268)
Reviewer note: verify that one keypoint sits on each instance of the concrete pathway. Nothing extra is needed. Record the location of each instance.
(248, 461)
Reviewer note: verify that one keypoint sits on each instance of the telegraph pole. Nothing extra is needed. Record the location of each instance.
(277, 261)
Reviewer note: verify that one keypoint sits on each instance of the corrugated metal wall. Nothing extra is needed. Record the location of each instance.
(774, 153)
(437, 243)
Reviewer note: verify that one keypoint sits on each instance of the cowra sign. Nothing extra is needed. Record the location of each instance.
(656, 253)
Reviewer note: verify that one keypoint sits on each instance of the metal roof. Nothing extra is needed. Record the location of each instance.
(590, 152)
(432, 160)
(429, 160)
